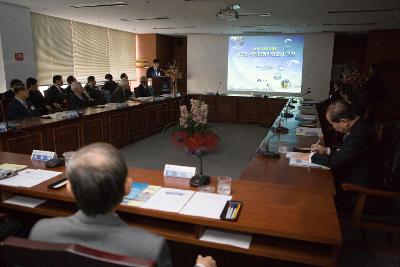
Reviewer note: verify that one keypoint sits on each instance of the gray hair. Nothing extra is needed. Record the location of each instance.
(143, 79)
(97, 174)
(75, 85)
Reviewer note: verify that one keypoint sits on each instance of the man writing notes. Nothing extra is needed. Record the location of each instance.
(154, 71)
(97, 179)
(354, 162)
(20, 107)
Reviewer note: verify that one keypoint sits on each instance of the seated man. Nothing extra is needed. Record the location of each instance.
(19, 107)
(354, 162)
(56, 95)
(122, 93)
(93, 91)
(109, 86)
(123, 76)
(142, 89)
(78, 99)
(68, 90)
(36, 97)
(98, 181)
(9, 94)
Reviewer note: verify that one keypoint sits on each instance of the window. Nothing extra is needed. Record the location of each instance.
(68, 47)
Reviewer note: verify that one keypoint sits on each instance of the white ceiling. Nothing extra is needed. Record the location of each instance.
(198, 16)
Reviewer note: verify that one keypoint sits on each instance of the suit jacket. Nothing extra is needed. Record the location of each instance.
(8, 95)
(17, 111)
(356, 160)
(151, 72)
(120, 95)
(54, 95)
(75, 102)
(38, 100)
(104, 232)
(143, 91)
(94, 93)
(110, 86)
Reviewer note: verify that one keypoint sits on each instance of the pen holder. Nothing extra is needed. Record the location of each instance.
(231, 211)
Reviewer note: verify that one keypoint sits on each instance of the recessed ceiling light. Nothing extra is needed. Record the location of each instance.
(104, 4)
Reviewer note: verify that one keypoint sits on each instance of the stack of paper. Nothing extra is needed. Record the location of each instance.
(227, 238)
(29, 178)
(12, 167)
(207, 205)
(144, 196)
(303, 117)
(169, 199)
(303, 160)
(306, 131)
(29, 202)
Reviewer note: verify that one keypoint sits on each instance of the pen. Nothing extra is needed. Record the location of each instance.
(230, 211)
(234, 206)
(236, 211)
(319, 140)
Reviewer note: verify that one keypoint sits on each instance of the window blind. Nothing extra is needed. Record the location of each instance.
(68, 47)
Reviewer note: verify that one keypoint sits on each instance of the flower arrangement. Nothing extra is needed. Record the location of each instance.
(174, 73)
(351, 74)
(193, 133)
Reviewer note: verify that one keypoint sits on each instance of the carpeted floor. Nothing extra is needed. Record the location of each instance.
(238, 143)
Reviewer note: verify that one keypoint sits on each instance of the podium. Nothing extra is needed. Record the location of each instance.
(161, 85)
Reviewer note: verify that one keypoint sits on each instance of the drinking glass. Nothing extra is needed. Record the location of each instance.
(224, 185)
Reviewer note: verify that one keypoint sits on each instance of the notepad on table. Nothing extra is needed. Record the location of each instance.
(136, 189)
(306, 131)
(207, 205)
(303, 162)
(29, 178)
(12, 167)
(169, 199)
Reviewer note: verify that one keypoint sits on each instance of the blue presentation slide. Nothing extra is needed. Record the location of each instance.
(269, 64)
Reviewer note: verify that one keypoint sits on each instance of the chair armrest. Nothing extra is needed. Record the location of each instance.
(368, 191)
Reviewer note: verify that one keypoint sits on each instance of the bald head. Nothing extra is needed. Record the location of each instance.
(340, 110)
(97, 175)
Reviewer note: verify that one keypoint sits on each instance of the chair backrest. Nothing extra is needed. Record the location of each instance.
(389, 147)
(23, 252)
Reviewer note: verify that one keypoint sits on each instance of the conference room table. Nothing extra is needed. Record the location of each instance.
(289, 211)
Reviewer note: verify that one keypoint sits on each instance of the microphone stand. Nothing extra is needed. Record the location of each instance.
(267, 152)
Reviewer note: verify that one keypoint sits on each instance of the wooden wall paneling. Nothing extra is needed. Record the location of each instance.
(151, 120)
(175, 110)
(272, 108)
(92, 131)
(65, 137)
(226, 109)
(163, 116)
(250, 109)
(118, 128)
(135, 124)
(25, 143)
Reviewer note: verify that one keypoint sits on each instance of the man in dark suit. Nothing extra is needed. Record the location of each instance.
(356, 160)
(9, 94)
(155, 71)
(97, 180)
(36, 97)
(93, 92)
(142, 89)
(78, 99)
(110, 85)
(68, 90)
(19, 107)
(56, 95)
(122, 93)
(124, 76)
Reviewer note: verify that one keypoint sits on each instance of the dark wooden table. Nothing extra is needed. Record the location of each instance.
(289, 210)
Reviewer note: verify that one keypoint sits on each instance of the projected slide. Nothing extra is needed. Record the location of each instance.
(271, 64)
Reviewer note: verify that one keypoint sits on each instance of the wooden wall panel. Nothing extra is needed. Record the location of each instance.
(135, 125)
(163, 117)
(250, 109)
(175, 110)
(118, 128)
(92, 131)
(26, 143)
(66, 138)
(151, 120)
(226, 109)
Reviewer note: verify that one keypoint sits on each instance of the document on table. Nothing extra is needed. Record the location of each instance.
(29, 202)
(302, 162)
(144, 196)
(207, 205)
(12, 167)
(29, 178)
(227, 238)
(169, 199)
(306, 131)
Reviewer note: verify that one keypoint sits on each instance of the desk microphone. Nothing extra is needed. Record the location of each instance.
(280, 129)
(306, 93)
(267, 152)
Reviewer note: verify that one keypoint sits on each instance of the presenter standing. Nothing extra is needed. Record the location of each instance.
(154, 70)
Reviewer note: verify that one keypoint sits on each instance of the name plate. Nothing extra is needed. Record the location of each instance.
(70, 114)
(179, 171)
(43, 155)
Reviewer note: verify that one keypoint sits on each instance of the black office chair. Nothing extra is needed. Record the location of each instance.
(27, 253)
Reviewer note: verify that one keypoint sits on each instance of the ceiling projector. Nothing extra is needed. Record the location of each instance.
(227, 13)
